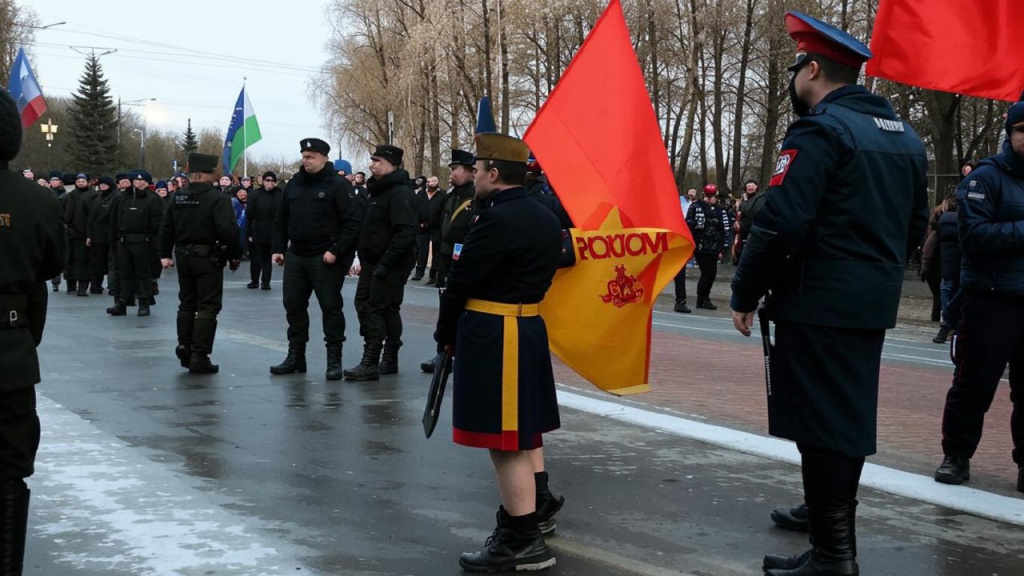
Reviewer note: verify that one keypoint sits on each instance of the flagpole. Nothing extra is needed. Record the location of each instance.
(245, 140)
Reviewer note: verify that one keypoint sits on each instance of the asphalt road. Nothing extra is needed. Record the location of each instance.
(145, 469)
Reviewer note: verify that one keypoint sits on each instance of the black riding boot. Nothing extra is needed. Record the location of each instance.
(295, 361)
(14, 496)
(118, 309)
(515, 545)
(334, 371)
(185, 326)
(830, 487)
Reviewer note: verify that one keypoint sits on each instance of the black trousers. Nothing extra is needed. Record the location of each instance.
(990, 336)
(435, 253)
(78, 259)
(708, 264)
(422, 251)
(113, 279)
(379, 305)
(19, 433)
(444, 266)
(260, 266)
(200, 297)
(306, 275)
(680, 283)
(99, 264)
(135, 266)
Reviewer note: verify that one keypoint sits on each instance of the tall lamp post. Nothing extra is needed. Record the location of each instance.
(139, 102)
(49, 131)
(142, 147)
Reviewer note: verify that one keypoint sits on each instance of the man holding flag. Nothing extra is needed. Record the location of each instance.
(845, 205)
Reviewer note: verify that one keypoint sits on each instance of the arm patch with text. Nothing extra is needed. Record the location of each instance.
(782, 165)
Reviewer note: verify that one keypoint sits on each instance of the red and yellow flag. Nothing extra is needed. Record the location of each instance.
(600, 145)
(961, 46)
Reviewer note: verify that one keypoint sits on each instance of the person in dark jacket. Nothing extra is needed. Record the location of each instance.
(318, 225)
(709, 224)
(76, 218)
(743, 220)
(386, 256)
(990, 209)
(845, 205)
(32, 252)
(98, 236)
(538, 189)
(260, 212)
(429, 237)
(455, 219)
(135, 229)
(949, 250)
(489, 319)
(199, 231)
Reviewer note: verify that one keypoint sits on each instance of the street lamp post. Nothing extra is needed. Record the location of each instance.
(142, 147)
(49, 131)
(139, 102)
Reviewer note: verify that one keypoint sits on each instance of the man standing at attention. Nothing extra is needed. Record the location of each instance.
(846, 203)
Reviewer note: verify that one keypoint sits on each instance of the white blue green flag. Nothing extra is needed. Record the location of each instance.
(243, 132)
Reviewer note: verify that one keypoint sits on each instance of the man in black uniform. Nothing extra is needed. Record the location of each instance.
(386, 256)
(990, 210)
(98, 236)
(76, 218)
(33, 251)
(455, 219)
(317, 224)
(846, 204)
(489, 314)
(260, 212)
(135, 228)
(707, 222)
(200, 232)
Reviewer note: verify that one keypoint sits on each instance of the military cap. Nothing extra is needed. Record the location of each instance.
(461, 157)
(315, 145)
(141, 175)
(342, 166)
(495, 146)
(10, 127)
(56, 175)
(202, 163)
(817, 37)
(108, 181)
(393, 154)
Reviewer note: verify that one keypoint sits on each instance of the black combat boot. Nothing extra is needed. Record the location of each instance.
(547, 504)
(953, 470)
(72, 287)
(14, 496)
(96, 288)
(118, 309)
(200, 364)
(369, 367)
(516, 544)
(706, 304)
(185, 326)
(389, 359)
(83, 289)
(294, 362)
(334, 361)
(184, 354)
(429, 365)
(143, 308)
(794, 518)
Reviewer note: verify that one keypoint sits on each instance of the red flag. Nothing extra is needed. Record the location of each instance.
(962, 46)
(600, 145)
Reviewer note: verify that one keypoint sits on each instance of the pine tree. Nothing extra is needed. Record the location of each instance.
(93, 127)
(189, 142)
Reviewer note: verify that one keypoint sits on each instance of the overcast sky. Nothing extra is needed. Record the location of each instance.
(192, 56)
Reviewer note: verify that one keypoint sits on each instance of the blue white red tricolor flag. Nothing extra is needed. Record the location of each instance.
(25, 91)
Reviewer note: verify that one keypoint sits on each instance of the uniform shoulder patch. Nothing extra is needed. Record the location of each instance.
(782, 165)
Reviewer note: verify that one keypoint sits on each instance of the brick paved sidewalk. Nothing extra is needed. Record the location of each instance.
(723, 383)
